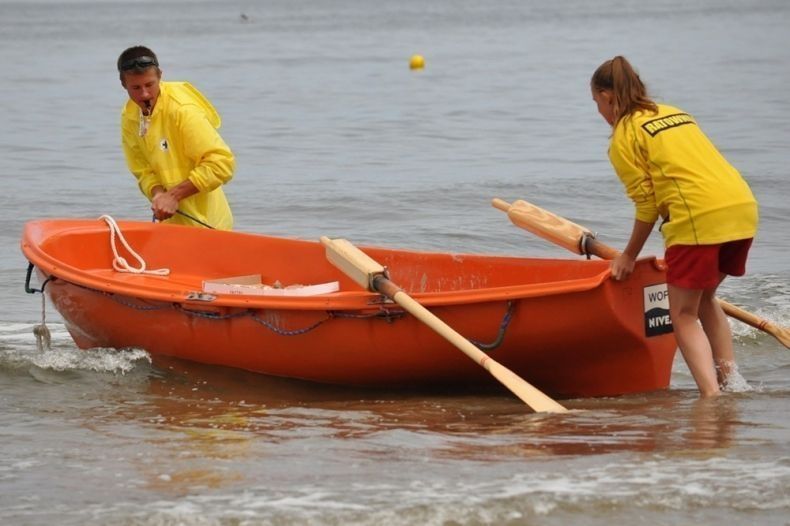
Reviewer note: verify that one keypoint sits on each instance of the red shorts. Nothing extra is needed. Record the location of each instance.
(701, 266)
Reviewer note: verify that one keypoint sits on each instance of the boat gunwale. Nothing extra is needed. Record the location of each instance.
(343, 300)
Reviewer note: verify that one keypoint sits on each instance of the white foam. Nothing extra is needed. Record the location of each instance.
(652, 485)
(18, 349)
(99, 360)
(735, 382)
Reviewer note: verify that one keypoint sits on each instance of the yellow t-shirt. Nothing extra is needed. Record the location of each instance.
(181, 142)
(671, 169)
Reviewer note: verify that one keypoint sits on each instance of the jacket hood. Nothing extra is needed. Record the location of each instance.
(180, 93)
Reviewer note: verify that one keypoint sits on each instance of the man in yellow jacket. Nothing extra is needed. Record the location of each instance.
(170, 140)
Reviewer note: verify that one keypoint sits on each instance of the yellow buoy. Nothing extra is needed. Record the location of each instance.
(417, 62)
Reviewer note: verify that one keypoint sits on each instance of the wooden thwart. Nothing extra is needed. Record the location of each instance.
(372, 276)
(568, 234)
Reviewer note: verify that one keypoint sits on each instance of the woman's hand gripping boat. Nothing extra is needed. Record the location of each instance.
(277, 306)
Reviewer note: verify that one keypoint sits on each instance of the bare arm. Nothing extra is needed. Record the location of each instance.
(623, 265)
(164, 203)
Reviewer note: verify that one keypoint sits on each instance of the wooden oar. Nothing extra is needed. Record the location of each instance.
(372, 276)
(572, 236)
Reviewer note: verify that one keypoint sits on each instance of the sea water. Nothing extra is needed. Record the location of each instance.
(335, 135)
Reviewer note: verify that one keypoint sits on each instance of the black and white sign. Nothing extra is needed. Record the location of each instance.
(657, 319)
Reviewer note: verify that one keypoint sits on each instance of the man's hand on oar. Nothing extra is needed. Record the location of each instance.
(370, 275)
(580, 240)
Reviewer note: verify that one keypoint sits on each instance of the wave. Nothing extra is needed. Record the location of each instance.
(654, 490)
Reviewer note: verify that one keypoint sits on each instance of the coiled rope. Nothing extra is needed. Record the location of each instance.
(119, 263)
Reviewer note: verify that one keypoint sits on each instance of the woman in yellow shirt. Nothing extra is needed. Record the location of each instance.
(170, 140)
(670, 169)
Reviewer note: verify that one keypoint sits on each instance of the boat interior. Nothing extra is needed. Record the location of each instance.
(84, 247)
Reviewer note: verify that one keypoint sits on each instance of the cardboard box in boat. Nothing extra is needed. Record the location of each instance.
(252, 285)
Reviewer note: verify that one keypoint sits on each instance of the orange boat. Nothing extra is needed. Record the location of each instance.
(563, 325)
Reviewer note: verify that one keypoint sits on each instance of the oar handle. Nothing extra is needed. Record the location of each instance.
(499, 203)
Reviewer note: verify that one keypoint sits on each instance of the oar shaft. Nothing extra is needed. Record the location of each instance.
(780, 333)
(195, 219)
(525, 391)
(371, 275)
(391, 290)
(596, 248)
(747, 317)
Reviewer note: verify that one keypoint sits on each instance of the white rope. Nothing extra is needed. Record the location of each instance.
(119, 263)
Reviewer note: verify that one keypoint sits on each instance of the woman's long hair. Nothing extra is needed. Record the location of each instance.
(628, 92)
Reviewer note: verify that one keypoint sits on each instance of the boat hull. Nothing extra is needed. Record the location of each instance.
(571, 332)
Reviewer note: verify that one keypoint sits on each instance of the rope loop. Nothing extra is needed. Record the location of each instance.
(500, 337)
(119, 263)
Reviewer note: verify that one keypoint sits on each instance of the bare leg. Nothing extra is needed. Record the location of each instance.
(717, 329)
(684, 305)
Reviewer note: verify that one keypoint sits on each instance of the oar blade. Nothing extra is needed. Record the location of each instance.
(530, 395)
(352, 262)
(783, 335)
(544, 224)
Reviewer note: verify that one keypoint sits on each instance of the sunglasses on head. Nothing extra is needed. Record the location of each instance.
(139, 63)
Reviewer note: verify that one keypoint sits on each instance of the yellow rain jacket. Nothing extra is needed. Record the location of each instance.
(671, 169)
(179, 141)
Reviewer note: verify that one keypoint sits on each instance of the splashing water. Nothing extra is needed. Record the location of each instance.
(735, 382)
(99, 360)
(18, 350)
